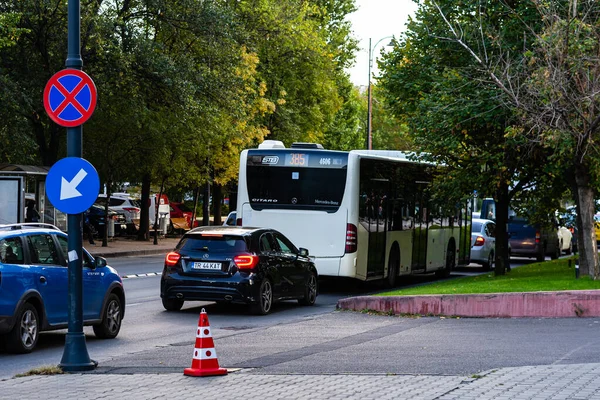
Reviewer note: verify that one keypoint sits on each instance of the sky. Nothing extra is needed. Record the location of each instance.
(376, 19)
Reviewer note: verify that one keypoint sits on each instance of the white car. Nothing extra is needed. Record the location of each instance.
(122, 202)
(565, 238)
(483, 242)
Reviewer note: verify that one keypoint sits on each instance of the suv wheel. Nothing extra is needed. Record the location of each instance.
(111, 319)
(265, 298)
(25, 333)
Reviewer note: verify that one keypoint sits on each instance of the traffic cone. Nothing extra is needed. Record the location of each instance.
(204, 361)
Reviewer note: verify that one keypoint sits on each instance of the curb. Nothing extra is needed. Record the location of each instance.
(564, 304)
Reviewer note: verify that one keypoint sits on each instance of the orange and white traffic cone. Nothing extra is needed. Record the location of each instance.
(204, 361)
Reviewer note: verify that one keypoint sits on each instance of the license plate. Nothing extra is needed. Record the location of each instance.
(206, 265)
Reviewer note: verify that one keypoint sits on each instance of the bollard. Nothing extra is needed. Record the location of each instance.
(577, 269)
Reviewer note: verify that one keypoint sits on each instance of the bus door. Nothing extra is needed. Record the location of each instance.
(421, 228)
(377, 215)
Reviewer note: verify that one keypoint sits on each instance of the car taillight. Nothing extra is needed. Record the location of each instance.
(479, 241)
(131, 209)
(172, 258)
(245, 261)
(537, 236)
(351, 238)
(238, 222)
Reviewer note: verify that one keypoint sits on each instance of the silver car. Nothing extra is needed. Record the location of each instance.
(483, 242)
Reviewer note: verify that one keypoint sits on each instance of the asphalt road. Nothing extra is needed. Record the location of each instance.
(295, 339)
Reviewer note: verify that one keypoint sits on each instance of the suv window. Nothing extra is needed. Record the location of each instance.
(115, 202)
(11, 250)
(266, 242)
(43, 250)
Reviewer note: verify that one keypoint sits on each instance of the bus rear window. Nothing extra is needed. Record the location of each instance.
(295, 188)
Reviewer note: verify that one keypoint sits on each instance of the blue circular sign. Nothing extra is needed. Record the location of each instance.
(72, 185)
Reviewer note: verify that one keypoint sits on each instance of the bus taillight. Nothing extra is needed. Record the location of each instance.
(351, 238)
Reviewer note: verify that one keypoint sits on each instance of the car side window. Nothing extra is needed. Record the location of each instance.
(43, 250)
(265, 243)
(491, 230)
(285, 245)
(11, 250)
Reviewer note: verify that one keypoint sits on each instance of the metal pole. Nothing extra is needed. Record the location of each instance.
(75, 356)
(370, 94)
(369, 104)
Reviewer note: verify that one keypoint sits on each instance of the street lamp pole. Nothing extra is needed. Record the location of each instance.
(370, 93)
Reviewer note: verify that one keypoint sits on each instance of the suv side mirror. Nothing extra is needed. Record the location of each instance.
(99, 262)
(303, 252)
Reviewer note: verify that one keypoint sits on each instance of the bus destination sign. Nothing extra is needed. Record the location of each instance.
(333, 160)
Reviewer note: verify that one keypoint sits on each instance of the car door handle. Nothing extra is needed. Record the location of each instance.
(42, 279)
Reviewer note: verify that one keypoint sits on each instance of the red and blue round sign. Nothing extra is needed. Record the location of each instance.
(70, 97)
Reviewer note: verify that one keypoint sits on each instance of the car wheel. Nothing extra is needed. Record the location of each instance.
(490, 262)
(111, 319)
(172, 304)
(25, 333)
(265, 298)
(310, 291)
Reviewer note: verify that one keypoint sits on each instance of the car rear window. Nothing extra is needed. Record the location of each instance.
(226, 244)
(476, 227)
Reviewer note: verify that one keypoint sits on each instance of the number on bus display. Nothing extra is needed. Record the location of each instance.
(325, 161)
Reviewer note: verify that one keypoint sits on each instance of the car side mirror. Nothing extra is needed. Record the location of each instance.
(303, 252)
(100, 262)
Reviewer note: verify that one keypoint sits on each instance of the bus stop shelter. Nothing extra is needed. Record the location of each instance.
(22, 184)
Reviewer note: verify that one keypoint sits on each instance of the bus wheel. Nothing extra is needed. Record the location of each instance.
(393, 265)
(450, 263)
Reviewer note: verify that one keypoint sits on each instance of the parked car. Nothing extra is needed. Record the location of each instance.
(255, 266)
(533, 240)
(95, 215)
(125, 203)
(180, 210)
(34, 290)
(231, 219)
(483, 242)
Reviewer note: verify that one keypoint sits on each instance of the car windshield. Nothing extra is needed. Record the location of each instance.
(226, 244)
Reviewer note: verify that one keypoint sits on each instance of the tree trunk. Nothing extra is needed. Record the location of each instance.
(502, 200)
(206, 205)
(217, 197)
(144, 231)
(586, 239)
(194, 213)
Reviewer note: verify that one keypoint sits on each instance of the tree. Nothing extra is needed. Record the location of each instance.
(553, 84)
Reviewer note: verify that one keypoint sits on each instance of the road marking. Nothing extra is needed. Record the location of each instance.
(149, 274)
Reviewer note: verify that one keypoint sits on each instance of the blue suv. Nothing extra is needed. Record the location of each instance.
(34, 287)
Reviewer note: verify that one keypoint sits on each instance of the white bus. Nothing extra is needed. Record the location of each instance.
(363, 214)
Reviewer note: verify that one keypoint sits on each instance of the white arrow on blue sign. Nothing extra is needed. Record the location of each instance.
(72, 185)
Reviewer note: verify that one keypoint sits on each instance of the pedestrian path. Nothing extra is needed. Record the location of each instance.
(565, 382)
(126, 247)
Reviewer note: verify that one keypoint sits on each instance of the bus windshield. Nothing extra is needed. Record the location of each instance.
(307, 181)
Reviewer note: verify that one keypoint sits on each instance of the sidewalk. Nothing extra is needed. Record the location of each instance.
(125, 247)
(565, 382)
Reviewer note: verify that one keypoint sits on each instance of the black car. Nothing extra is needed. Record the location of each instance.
(95, 216)
(255, 266)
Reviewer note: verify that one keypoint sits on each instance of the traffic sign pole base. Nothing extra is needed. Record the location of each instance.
(75, 356)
